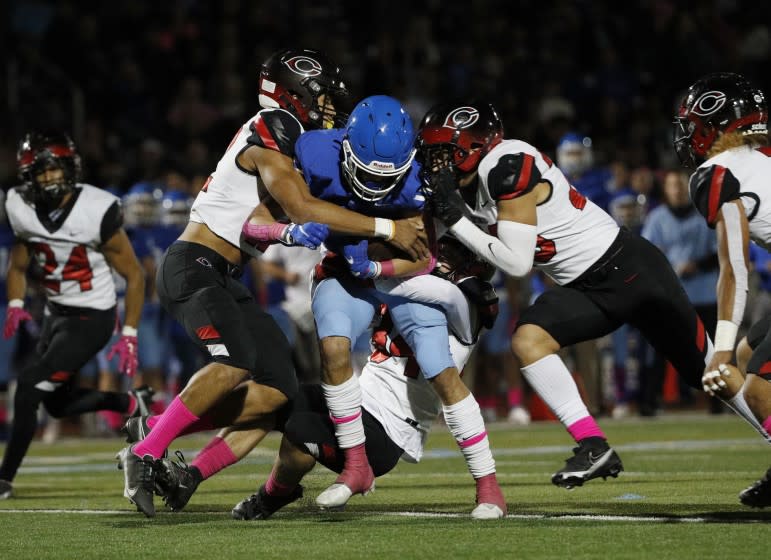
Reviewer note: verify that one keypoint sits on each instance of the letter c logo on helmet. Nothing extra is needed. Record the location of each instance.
(709, 103)
(304, 65)
(462, 117)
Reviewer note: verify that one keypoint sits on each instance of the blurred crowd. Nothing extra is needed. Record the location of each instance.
(152, 92)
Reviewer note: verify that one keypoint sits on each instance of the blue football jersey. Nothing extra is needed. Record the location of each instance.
(318, 154)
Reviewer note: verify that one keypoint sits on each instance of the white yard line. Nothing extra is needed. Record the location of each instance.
(436, 515)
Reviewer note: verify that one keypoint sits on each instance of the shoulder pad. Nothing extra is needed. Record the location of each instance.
(275, 129)
(711, 187)
(513, 176)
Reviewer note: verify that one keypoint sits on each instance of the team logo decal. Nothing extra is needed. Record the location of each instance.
(709, 103)
(462, 117)
(304, 66)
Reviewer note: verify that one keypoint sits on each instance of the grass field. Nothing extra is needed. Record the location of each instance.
(676, 499)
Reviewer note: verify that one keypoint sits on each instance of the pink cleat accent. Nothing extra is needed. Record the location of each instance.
(357, 478)
(490, 501)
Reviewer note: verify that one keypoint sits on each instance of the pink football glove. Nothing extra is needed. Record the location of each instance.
(126, 349)
(13, 317)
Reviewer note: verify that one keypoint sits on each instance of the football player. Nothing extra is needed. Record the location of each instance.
(605, 275)
(369, 166)
(74, 232)
(196, 279)
(721, 129)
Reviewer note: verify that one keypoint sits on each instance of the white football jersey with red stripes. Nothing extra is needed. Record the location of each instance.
(573, 232)
(394, 392)
(231, 193)
(75, 271)
(752, 170)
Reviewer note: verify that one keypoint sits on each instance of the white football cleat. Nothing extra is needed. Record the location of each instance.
(487, 511)
(337, 495)
(519, 416)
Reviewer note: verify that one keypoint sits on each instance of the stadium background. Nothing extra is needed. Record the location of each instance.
(185, 72)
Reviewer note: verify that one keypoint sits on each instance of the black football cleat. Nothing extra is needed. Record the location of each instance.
(139, 479)
(6, 490)
(176, 483)
(593, 458)
(759, 493)
(261, 505)
(135, 429)
(144, 397)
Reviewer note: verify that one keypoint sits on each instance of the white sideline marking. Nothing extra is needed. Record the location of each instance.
(441, 515)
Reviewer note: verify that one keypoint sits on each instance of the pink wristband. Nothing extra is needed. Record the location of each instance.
(386, 269)
(263, 233)
(429, 268)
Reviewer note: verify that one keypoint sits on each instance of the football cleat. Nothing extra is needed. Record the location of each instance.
(262, 505)
(357, 478)
(759, 493)
(6, 490)
(176, 482)
(490, 501)
(135, 429)
(139, 479)
(144, 397)
(593, 458)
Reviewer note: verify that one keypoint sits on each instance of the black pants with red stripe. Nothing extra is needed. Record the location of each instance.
(759, 339)
(632, 283)
(199, 288)
(70, 337)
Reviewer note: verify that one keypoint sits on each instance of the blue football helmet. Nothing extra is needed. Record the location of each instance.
(175, 208)
(142, 204)
(378, 147)
(574, 154)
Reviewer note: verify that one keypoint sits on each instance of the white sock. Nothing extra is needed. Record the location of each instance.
(464, 419)
(344, 403)
(550, 378)
(740, 407)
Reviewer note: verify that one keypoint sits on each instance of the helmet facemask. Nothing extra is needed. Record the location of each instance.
(374, 181)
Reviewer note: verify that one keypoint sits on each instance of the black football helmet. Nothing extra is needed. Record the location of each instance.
(41, 151)
(294, 79)
(721, 102)
(458, 133)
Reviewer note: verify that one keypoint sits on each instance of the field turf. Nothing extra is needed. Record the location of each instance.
(677, 499)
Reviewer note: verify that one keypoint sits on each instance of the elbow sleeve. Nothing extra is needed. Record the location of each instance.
(512, 251)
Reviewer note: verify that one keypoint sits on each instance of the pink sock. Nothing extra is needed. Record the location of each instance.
(204, 423)
(169, 425)
(113, 419)
(767, 424)
(584, 428)
(487, 402)
(214, 457)
(275, 488)
(514, 397)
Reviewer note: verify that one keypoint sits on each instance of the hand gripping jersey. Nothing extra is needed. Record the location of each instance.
(67, 245)
(318, 154)
(742, 174)
(231, 192)
(573, 232)
(394, 392)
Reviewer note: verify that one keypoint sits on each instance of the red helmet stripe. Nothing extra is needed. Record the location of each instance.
(715, 188)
